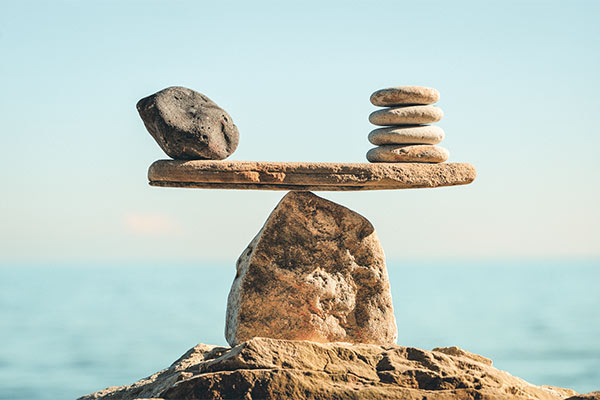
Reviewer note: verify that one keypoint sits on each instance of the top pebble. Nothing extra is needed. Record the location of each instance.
(404, 95)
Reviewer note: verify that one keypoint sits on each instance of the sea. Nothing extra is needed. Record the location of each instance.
(68, 330)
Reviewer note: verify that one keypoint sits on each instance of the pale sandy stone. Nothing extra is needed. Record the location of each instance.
(315, 271)
(264, 368)
(401, 95)
(409, 115)
(272, 175)
(587, 396)
(425, 153)
(410, 134)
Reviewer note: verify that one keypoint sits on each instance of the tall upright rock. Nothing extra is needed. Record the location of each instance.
(315, 271)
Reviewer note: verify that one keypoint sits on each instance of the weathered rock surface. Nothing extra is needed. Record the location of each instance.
(587, 396)
(409, 115)
(410, 134)
(279, 369)
(400, 95)
(425, 153)
(315, 271)
(255, 175)
(187, 125)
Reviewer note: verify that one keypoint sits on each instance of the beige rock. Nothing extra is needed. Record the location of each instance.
(587, 396)
(306, 176)
(424, 153)
(399, 95)
(280, 369)
(410, 134)
(409, 115)
(315, 271)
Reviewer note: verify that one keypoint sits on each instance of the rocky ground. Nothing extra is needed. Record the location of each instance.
(264, 368)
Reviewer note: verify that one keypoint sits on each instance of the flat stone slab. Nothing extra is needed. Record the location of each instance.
(307, 176)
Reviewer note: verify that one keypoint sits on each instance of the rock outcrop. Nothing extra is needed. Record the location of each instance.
(280, 369)
(315, 271)
(587, 396)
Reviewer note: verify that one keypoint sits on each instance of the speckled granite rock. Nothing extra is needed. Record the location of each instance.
(398, 95)
(408, 115)
(315, 271)
(280, 369)
(187, 125)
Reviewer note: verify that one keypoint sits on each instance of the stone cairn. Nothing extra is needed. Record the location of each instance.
(316, 270)
(405, 137)
(309, 314)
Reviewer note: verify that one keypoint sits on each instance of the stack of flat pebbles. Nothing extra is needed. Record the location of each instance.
(406, 136)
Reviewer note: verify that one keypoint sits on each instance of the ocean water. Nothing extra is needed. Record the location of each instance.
(66, 331)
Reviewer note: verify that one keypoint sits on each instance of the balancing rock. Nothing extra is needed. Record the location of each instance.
(304, 176)
(316, 271)
(401, 95)
(409, 134)
(425, 153)
(187, 125)
(408, 115)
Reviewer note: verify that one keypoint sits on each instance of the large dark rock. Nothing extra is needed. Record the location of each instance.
(316, 271)
(187, 125)
(281, 369)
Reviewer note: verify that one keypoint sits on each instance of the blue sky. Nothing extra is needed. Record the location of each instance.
(519, 86)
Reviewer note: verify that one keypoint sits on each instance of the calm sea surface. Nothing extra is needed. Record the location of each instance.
(69, 330)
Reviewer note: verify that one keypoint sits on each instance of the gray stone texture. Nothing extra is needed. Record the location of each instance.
(187, 125)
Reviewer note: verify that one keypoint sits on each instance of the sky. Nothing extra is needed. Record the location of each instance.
(519, 87)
